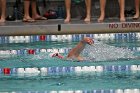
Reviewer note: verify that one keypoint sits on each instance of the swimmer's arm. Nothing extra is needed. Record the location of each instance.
(75, 52)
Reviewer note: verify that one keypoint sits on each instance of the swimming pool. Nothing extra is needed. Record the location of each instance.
(26, 68)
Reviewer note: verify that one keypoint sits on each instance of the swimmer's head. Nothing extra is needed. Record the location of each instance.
(92, 41)
(89, 40)
(57, 55)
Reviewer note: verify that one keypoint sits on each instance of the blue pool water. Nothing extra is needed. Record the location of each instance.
(107, 79)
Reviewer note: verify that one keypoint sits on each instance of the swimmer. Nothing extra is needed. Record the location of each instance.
(97, 51)
(74, 53)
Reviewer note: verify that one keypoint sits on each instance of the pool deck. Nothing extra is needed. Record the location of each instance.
(57, 26)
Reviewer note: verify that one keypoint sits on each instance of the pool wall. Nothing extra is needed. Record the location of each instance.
(57, 27)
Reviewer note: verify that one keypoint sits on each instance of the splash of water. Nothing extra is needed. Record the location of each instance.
(41, 56)
(103, 52)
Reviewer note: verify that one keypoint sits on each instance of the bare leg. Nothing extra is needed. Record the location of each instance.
(122, 7)
(27, 17)
(68, 9)
(102, 9)
(3, 11)
(35, 15)
(88, 10)
(137, 5)
(34, 11)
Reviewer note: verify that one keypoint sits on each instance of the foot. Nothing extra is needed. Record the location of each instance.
(122, 19)
(136, 16)
(30, 20)
(39, 18)
(87, 19)
(100, 19)
(2, 20)
(67, 20)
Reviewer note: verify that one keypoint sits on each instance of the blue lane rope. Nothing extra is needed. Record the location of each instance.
(55, 70)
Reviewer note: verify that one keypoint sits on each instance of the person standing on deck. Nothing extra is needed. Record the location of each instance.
(137, 6)
(102, 9)
(68, 10)
(3, 10)
(35, 15)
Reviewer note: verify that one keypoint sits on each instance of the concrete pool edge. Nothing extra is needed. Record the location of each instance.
(60, 28)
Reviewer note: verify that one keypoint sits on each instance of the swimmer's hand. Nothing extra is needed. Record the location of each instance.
(88, 40)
